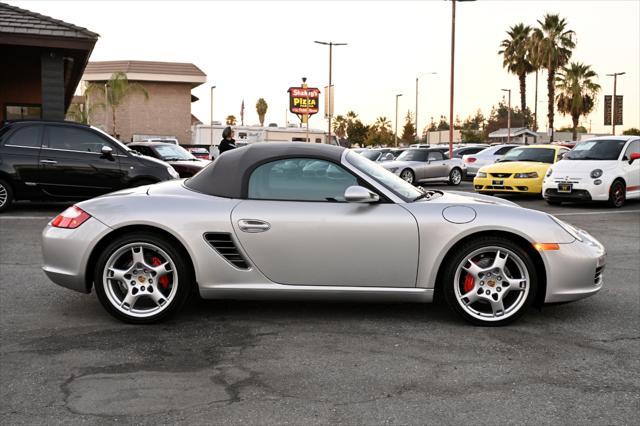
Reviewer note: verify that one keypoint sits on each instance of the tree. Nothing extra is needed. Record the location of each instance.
(117, 91)
(231, 120)
(443, 124)
(409, 130)
(516, 57)
(472, 128)
(578, 92)
(81, 113)
(340, 126)
(580, 129)
(379, 133)
(498, 118)
(632, 131)
(261, 109)
(356, 131)
(551, 46)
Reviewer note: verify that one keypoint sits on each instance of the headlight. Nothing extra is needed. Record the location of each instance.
(549, 172)
(172, 172)
(530, 175)
(595, 174)
(481, 174)
(570, 229)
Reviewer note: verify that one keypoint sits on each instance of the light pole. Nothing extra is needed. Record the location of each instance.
(421, 75)
(396, 132)
(329, 105)
(613, 100)
(211, 119)
(453, 51)
(508, 116)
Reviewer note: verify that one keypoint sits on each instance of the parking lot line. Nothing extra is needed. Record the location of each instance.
(597, 212)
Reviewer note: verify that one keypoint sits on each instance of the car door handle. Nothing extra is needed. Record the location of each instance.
(48, 162)
(253, 225)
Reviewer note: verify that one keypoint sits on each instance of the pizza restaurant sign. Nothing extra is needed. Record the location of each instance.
(304, 100)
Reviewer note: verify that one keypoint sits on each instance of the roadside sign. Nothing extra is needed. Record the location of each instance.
(607, 110)
(328, 101)
(617, 111)
(303, 100)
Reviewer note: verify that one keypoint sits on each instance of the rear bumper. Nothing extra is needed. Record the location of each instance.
(66, 252)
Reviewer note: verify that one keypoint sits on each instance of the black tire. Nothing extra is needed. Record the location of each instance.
(553, 202)
(455, 177)
(6, 196)
(411, 177)
(617, 194)
(182, 268)
(447, 287)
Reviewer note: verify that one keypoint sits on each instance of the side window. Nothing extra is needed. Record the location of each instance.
(300, 179)
(75, 139)
(26, 136)
(435, 156)
(143, 150)
(503, 150)
(562, 153)
(633, 147)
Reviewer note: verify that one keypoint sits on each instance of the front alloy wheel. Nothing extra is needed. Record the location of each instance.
(407, 175)
(142, 278)
(491, 281)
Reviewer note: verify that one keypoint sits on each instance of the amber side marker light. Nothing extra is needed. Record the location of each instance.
(71, 218)
(546, 246)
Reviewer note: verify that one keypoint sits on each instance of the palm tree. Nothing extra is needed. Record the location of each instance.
(117, 90)
(578, 92)
(231, 120)
(81, 113)
(551, 47)
(340, 126)
(261, 109)
(382, 124)
(515, 51)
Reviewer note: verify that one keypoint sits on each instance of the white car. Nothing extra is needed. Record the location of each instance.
(475, 162)
(600, 169)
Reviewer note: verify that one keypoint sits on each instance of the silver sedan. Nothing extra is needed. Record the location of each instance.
(269, 221)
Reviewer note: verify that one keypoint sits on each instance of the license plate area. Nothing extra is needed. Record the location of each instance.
(497, 183)
(565, 187)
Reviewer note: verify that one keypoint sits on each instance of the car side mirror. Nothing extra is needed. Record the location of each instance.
(107, 151)
(634, 156)
(359, 194)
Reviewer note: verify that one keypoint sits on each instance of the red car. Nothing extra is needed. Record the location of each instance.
(185, 163)
(201, 153)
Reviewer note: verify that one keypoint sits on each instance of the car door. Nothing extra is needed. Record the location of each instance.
(632, 171)
(436, 166)
(72, 164)
(297, 229)
(19, 155)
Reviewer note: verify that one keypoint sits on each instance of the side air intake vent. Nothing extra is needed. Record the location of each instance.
(226, 247)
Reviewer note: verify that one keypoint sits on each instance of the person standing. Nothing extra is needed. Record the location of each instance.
(228, 142)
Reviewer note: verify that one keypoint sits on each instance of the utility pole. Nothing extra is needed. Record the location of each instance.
(330, 88)
(508, 116)
(613, 100)
(416, 117)
(396, 132)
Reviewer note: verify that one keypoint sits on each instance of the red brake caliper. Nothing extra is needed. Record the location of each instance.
(164, 280)
(468, 283)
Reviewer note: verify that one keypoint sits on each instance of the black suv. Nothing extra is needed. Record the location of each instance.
(62, 160)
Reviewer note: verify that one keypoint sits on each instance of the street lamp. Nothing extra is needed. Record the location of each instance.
(211, 119)
(508, 116)
(396, 132)
(613, 101)
(453, 51)
(421, 75)
(329, 106)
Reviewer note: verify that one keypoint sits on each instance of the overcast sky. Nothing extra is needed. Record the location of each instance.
(259, 49)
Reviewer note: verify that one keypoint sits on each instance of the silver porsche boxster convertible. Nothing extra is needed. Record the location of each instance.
(315, 221)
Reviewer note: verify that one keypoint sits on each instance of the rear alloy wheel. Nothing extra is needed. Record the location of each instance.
(490, 281)
(6, 196)
(407, 175)
(142, 278)
(617, 194)
(455, 177)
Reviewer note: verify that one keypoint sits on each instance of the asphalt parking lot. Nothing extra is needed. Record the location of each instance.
(64, 360)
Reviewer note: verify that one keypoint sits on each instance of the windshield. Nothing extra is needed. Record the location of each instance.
(371, 155)
(413, 155)
(539, 155)
(602, 149)
(403, 189)
(173, 152)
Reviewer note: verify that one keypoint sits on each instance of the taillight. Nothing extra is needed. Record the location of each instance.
(71, 218)
(470, 160)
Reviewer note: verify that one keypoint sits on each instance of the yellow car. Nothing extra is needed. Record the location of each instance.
(521, 170)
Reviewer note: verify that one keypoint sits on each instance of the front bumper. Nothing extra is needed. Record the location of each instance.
(65, 253)
(509, 185)
(575, 271)
(580, 191)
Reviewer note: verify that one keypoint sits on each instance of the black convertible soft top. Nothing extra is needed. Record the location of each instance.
(228, 175)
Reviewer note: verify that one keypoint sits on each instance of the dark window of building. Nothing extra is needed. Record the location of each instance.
(26, 136)
(23, 112)
(75, 139)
